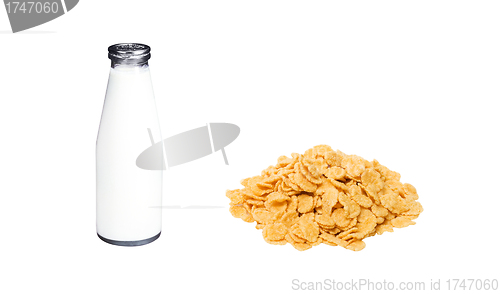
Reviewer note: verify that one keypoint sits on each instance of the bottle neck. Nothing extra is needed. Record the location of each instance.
(121, 65)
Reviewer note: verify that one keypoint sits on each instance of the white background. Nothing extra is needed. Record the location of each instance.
(413, 84)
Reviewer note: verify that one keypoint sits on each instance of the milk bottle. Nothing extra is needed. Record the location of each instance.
(128, 197)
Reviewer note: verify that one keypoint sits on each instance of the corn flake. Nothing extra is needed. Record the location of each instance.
(274, 232)
(306, 203)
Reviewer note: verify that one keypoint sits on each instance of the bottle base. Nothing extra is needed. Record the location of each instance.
(130, 243)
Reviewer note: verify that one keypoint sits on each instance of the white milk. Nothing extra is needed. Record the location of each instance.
(128, 197)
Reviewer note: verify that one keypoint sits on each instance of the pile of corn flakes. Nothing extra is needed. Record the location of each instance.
(325, 196)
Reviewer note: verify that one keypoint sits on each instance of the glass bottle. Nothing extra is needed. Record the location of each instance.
(128, 204)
